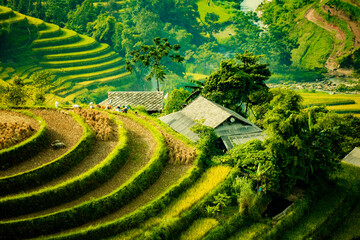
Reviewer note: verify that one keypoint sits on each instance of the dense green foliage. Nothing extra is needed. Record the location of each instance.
(153, 57)
(175, 100)
(233, 85)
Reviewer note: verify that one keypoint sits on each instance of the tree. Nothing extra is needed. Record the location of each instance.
(212, 20)
(152, 56)
(56, 12)
(42, 81)
(302, 146)
(78, 19)
(16, 92)
(176, 100)
(208, 56)
(39, 11)
(103, 28)
(195, 90)
(232, 85)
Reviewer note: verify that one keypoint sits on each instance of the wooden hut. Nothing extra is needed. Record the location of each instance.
(230, 126)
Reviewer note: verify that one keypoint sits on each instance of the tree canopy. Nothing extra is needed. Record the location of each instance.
(233, 84)
(153, 56)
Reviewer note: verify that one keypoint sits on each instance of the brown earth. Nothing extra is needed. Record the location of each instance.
(314, 17)
(331, 64)
(142, 147)
(100, 150)
(59, 125)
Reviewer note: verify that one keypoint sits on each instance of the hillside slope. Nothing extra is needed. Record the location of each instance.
(79, 62)
(326, 32)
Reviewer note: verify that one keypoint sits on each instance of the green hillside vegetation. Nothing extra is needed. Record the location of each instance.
(101, 174)
(129, 176)
(325, 32)
(73, 58)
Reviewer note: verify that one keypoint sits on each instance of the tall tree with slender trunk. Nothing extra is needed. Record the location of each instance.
(153, 57)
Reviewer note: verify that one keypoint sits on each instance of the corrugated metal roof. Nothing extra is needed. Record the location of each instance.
(153, 101)
(353, 157)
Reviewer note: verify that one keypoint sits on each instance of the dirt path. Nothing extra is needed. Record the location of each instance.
(142, 147)
(99, 152)
(353, 25)
(340, 36)
(59, 125)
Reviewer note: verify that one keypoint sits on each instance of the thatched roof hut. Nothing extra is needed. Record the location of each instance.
(230, 126)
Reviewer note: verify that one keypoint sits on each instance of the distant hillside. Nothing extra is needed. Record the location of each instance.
(326, 33)
(79, 62)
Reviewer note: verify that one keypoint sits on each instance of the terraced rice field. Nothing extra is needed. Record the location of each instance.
(134, 160)
(72, 57)
(132, 186)
(340, 103)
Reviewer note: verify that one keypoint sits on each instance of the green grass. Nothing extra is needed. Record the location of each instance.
(7, 73)
(71, 88)
(96, 51)
(79, 62)
(199, 229)
(95, 75)
(349, 228)
(16, 19)
(341, 103)
(6, 13)
(333, 206)
(208, 6)
(51, 30)
(88, 68)
(251, 232)
(85, 180)
(36, 21)
(207, 182)
(342, 24)
(316, 45)
(84, 43)
(66, 37)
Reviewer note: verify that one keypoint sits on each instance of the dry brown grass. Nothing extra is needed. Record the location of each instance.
(60, 126)
(12, 133)
(99, 122)
(179, 153)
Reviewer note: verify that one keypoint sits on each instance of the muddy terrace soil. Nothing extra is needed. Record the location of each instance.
(59, 125)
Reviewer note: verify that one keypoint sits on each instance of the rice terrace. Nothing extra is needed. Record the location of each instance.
(179, 119)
